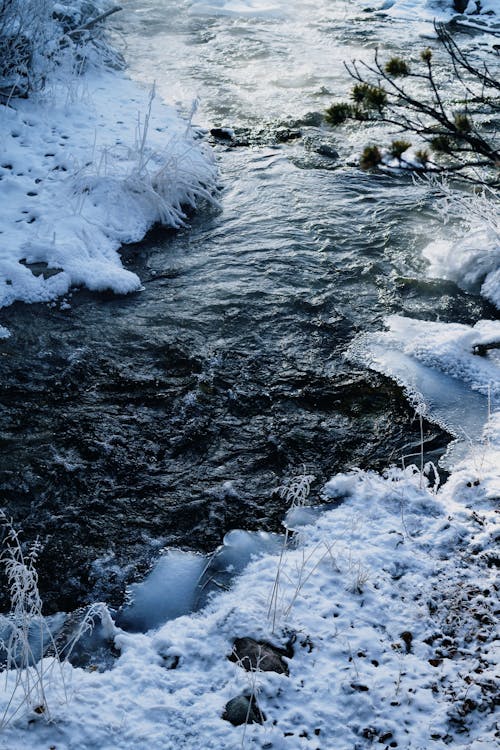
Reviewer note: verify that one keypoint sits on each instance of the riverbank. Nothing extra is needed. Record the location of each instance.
(386, 606)
(87, 164)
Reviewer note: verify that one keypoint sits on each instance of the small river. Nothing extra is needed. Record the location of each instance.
(170, 416)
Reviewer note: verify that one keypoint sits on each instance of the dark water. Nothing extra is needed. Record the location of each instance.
(172, 415)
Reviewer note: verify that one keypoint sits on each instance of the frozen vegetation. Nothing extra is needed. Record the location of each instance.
(384, 601)
(469, 253)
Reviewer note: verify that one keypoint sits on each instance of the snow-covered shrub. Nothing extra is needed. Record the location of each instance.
(27, 38)
(37, 36)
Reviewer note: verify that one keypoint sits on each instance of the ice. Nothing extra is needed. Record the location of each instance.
(182, 582)
(443, 378)
(231, 558)
(169, 591)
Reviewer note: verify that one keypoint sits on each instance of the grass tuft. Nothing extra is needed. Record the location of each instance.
(441, 144)
(463, 123)
(398, 147)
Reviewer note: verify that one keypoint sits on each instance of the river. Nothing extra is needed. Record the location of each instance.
(170, 416)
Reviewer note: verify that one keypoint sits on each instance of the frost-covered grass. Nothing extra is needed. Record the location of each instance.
(90, 162)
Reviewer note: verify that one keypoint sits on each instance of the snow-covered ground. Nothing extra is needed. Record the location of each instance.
(390, 598)
(88, 163)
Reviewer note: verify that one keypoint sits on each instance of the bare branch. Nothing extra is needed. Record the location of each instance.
(93, 22)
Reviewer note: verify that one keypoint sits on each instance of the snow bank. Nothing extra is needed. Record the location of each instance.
(88, 164)
(424, 13)
(423, 10)
(389, 600)
(439, 10)
(471, 256)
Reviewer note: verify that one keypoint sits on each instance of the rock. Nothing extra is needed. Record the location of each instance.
(481, 350)
(243, 709)
(237, 138)
(253, 655)
(170, 661)
(310, 119)
(407, 637)
(41, 269)
(326, 150)
(315, 142)
(283, 135)
(222, 134)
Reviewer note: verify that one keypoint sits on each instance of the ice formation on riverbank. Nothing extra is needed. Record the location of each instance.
(441, 10)
(90, 162)
(471, 255)
(450, 372)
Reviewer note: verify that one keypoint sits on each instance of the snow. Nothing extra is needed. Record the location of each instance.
(439, 10)
(427, 10)
(471, 258)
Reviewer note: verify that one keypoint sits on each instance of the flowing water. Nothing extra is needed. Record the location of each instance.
(172, 415)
